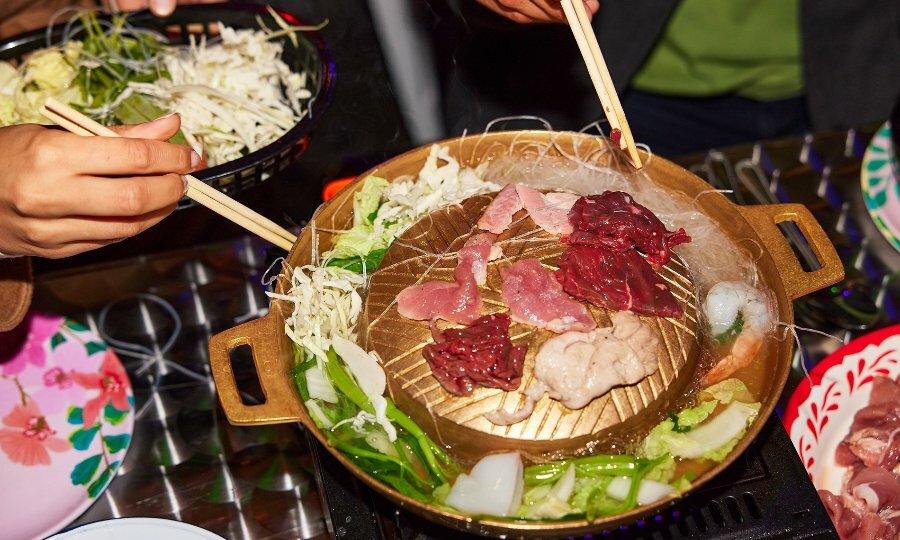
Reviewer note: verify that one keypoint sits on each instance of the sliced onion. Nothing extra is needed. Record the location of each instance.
(649, 490)
(494, 486)
(364, 367)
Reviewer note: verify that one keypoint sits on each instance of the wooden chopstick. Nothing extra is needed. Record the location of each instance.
(596, 66)
(79, 124)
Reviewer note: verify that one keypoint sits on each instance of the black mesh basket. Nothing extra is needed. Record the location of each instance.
(310, 55)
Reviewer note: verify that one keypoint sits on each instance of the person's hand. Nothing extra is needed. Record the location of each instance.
(535, 11)
(160, 8)
(62, 194)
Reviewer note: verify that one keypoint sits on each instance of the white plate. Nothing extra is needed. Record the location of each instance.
(137, 529)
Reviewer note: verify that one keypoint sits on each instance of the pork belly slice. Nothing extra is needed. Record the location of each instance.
(534, 297)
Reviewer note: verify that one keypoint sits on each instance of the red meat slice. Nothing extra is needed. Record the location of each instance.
(459, 301)
(454, 302)
(480, 355)
(472, 259)
(549, 212)
(884, 390)
(616, 221)
(615, 280)
(498, 215)
(534, 297)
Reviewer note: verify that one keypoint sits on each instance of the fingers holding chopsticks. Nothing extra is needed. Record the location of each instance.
(534, 11)
(61, 194)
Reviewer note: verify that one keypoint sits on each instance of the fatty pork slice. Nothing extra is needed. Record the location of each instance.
(534, 297)
(616, 221)
(549, 212)
(577, 367)
(498, 215)
(615, 280)
(459, 301)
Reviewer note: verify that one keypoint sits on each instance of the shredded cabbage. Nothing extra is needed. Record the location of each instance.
(440, 183)
(326, 304)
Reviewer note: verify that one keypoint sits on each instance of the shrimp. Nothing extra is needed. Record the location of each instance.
(726, 301)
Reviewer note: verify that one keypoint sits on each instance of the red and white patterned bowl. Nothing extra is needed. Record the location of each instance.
(818, 416)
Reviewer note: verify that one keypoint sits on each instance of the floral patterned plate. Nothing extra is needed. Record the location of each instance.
(818, 418)
(881, 190)
(66, 418)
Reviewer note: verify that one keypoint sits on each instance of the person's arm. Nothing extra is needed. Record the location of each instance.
(533, 11)
(62, 194)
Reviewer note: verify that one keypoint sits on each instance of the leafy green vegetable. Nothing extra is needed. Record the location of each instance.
(367, 200)
(137, 109)
(690, 417)
(370, 261)
(693, 434)
(727, 391)
(415, 466)
(107, 75)
(365, 241)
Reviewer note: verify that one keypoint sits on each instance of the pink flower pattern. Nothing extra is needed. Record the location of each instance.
(28, 438)
(112, 383)
(28, 340)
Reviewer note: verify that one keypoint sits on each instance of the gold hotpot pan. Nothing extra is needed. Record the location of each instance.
(272, 350)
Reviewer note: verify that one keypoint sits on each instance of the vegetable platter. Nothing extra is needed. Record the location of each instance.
(250, 82)
(341, 354)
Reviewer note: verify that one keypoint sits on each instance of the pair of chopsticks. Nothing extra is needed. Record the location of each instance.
(79, 124)
(578, 20)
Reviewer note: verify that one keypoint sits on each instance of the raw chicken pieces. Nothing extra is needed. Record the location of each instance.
(534, 297)
(577, 367)
(458, 302)
(868, 506)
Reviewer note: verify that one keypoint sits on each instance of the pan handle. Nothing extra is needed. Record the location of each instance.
(797, 282)
(282, 403)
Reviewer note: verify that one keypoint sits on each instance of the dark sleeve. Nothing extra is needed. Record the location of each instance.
(851, 53)
(15, 291)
